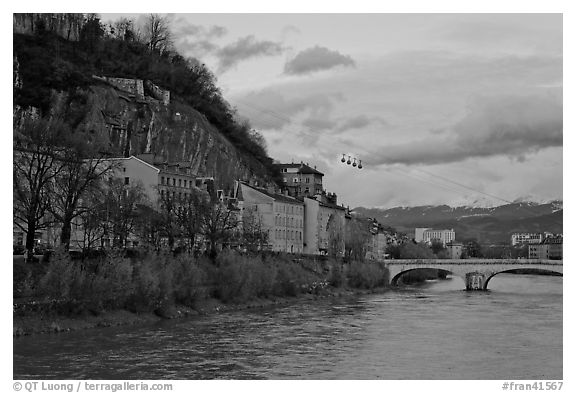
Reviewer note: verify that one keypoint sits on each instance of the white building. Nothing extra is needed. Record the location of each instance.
(526, 238)
(281, 216)
(427, 235)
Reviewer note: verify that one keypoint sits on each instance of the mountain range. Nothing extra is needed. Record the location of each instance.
(483, 224)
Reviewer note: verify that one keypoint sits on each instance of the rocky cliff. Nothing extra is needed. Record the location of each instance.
(132, 125)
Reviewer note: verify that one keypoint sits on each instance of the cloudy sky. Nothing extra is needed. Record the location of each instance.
(440, 108)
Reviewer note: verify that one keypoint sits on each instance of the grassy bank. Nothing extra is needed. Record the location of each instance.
(68, 294)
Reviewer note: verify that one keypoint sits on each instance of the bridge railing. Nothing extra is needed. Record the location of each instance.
(476, 261)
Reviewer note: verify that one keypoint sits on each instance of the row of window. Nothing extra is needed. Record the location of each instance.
(306, 180)
(291, 209)
(171, 181)
(288, 235)
(181, 196)
(287, 221)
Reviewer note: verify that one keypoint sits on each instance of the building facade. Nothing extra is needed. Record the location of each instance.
(301, 180)
(526, 238)
(550, 248)
(281, 216)
(160, 182)
(454, 250)
(427, 235)
(323, 226)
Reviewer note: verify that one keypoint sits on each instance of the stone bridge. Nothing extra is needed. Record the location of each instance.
(476, 273)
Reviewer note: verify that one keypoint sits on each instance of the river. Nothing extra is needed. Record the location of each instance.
(430, 331)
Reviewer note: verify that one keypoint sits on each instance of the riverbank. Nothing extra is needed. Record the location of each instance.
(66, 295)
(44, 323)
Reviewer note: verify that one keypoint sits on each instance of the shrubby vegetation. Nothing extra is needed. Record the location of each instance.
(156, 281)
(367, 275)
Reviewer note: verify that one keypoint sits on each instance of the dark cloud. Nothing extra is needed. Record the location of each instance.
(336, 126)
(246, 48)
(319, 124)
(183, 29)
(360, 121)
(317, 59)
(504, 125)
(269, 109)
(197, 40)
(217, 31)
(198, 48)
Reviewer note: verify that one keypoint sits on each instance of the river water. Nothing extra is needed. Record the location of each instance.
(430, 331)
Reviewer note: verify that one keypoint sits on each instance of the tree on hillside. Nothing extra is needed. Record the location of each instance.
(123, 29)
(157, 33)
(36, 164)
(91, 32)
(49, 63)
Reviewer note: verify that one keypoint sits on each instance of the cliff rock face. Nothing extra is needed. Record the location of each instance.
(131, 125)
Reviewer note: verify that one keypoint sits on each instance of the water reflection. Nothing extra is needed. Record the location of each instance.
(431, 331)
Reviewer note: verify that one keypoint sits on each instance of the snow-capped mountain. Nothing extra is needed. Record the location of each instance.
(485, 224)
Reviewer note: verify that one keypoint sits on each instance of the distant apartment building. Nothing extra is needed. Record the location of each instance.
(550, 248)
(454, 250)
(526, 238)
(281, 216)
(301, 180)
(427, 235)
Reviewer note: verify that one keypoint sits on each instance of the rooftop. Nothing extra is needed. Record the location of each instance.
(302, 168)
(277, 197)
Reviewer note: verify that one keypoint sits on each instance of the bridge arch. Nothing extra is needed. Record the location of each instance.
(529, 271)
(397, 276)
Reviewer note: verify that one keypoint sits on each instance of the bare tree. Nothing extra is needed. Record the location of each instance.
(253, 234)
(80, 175)
(91, 219)
(189, 215)
(157, 33)
(335, 231)
(149, 226)
(36, 163)
(357, 239)
(123, 29)
(217, 224)
(168, 218)
(121, 209)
